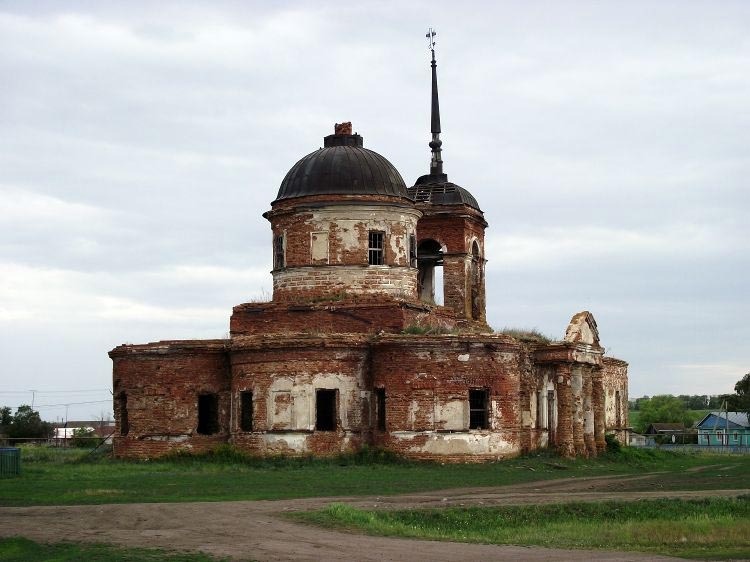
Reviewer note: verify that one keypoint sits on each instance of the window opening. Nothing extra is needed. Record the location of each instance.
(375, 248)
(278, 252)
(208, 414)
(380, 408)
(478, 418)
(412, 250)
(246, 410)
(618, 409)
(430, 274)
(325, 410)
(476, 282)
(123, 407)
(541, 410)
(551, 419)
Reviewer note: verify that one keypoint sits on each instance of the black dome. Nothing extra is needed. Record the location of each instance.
(437, 190)
(342, 167)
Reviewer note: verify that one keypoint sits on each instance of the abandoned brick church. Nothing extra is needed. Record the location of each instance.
(353, 351)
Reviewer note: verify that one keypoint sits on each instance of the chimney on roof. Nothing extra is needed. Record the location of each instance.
(342, 128)
(342, 136)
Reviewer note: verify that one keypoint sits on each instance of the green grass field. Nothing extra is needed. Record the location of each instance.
(716, 528)
(23, 550)
(50, 477)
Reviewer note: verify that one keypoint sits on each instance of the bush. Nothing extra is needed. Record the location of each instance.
(613, 444)
(84, 437)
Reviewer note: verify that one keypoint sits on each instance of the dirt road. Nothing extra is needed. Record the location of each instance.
(254, 530)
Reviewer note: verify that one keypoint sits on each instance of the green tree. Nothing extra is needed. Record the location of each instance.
(83, 437)
(664, 408)
(740, 400)
(6, 416)
(26, 423)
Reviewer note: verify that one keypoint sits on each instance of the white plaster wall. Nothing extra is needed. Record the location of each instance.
(352, 223)
(395, 281)
(452, 415)
(299, 413)
(460, 443)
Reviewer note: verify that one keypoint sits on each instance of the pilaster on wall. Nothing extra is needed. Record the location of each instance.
(576, 383)
(455, 285)
(564, 435)
(588, 413)
(599, 418)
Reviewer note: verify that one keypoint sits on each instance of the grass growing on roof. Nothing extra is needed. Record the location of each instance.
(527, 335)
(703, 528)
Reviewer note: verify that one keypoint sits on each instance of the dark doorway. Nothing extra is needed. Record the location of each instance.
(122, 400)
(246, 410)
(208, 414)
(325, 410)
(380, 408)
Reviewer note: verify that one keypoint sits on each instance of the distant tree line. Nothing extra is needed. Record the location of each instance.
(24, 424)
(691, 401)
(666, 408)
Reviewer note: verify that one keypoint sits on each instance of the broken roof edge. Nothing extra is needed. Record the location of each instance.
(163, 347)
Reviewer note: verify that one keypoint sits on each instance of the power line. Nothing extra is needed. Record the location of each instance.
(54, 391)
(73, 403)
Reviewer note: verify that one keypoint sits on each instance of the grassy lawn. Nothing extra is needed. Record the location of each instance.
(716, 528)
(54, 477)
(23, 550)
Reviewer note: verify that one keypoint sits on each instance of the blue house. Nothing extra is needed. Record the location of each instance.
(724, 428)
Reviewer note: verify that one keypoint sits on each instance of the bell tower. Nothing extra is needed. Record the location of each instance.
(450, 233)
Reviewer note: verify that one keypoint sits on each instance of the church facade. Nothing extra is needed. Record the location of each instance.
(353, 351)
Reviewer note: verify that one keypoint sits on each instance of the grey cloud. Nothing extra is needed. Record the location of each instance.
(176, 124)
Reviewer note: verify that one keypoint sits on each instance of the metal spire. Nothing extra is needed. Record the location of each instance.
(436, 162)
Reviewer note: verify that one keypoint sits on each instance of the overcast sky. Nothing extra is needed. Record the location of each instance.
(606, 143)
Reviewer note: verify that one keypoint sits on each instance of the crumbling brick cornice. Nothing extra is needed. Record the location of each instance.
(171, 347)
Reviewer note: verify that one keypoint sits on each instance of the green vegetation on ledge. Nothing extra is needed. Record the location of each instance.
(532, 336)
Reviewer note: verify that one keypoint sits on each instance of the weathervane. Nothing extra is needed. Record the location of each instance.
(431, 40)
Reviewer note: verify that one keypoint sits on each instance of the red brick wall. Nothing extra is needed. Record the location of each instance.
(338, 317)
(456, 227)
(614, 380)
(283, 373)
(427, 381)
(341, 225)
(162, 382)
